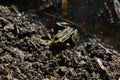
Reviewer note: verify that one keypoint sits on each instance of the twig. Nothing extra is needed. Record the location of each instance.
(79, 27)
(103, 68)
(35, 46)
(108, 51)
(55, 16)
(4, 20)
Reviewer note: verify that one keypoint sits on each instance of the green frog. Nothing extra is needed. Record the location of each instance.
(65, 34)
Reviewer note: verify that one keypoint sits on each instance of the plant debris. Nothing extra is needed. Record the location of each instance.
(26, 55)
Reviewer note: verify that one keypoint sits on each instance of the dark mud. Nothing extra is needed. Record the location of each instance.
(26, 55)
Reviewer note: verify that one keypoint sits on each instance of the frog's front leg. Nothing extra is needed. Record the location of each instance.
(76, 37)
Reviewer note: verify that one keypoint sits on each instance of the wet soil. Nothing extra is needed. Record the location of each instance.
(25, 53)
